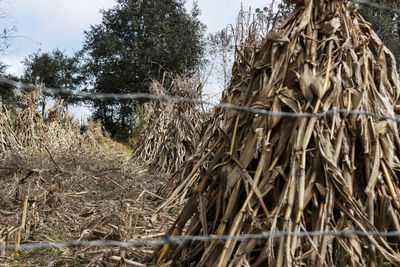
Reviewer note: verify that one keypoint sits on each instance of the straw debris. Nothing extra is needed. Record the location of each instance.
(254, 173)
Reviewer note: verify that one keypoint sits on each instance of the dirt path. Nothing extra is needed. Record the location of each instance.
(77, 197)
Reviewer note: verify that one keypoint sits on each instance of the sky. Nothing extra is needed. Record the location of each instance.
(51, 24)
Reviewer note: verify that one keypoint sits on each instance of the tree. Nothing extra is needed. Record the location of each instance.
(54, 69)
(7, 94)
(221, 50)
(3, 68)
(8, 98)
(276, 12)
(136, 41)
(385, 23)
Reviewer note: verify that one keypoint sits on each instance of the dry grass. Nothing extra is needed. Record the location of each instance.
(253, 173)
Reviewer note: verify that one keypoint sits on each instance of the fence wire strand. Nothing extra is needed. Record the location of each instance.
(174, 99)
(377, 6)
(179, 240)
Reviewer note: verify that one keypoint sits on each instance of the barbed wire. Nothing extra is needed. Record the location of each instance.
(179, 240)
(376, 5)
(175, 99)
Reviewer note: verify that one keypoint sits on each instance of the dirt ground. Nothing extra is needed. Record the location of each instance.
(102, 196)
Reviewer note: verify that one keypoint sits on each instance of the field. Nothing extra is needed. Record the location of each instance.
(61, 183)
(304, 149)
(78, 197)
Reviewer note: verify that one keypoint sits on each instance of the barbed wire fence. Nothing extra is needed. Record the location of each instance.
(173, 99)
(377, 6)
(178, 240)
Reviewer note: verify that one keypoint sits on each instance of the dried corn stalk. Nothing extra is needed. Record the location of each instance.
(172, 131)
(255, 173)
(57, 130)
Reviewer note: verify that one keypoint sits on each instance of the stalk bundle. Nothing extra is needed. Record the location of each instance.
(36, 131)
(171, 131)
(254, 173)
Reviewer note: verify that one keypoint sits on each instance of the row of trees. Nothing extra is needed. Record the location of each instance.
(139, 40)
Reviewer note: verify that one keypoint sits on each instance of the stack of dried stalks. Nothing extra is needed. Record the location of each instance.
(254, 173)
(32, 130)
(171, 131)
(59, 183)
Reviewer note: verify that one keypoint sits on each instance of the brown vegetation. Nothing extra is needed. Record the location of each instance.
(34, 131)
(60, 184)
(248, 173)
(255, 173)
(170, 132)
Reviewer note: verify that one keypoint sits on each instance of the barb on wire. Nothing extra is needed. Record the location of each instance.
(177, 240)
(376, 5)
(174, 99)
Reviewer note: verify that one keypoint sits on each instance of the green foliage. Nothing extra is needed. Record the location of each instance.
(54, 69)
(8, 98)
(139, 116)
(3, 68)
(179, 263)
(385, 23)
(206, 114)
(136, 41)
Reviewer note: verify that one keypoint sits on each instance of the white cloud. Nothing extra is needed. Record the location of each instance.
(49, 24)
(13, 65)
(219, 14)
(57, 22)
